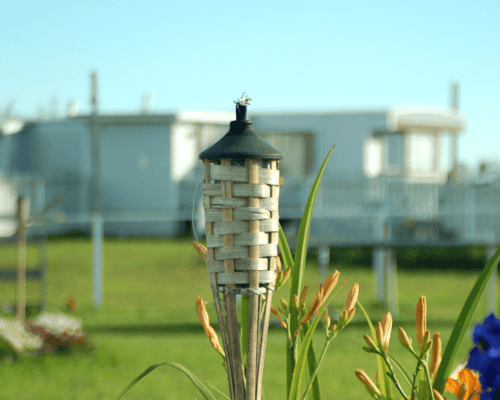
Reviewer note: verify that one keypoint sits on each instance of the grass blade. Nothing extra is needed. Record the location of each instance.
(463, 322)
(201, 388)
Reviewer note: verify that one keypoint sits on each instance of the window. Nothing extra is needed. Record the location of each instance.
(372, 157)
(297, 148)
(422, 155)
(183, 150)
(394, 153)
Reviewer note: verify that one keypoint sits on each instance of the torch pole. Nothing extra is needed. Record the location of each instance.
(232, 313)
(254, 299)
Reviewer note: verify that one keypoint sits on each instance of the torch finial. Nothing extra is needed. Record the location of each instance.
(241, 107)
(243, 100)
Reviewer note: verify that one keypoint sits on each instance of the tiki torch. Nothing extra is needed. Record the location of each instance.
(241, 193)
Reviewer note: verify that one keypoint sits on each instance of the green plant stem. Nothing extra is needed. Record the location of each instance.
(312, 365)
(414, 384)
(316, 370)
(391, 374)
(402, 369)
(427, 375)
(301, 360)
(244, 327)
(290, 359)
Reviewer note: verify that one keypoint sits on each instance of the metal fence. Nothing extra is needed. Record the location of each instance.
(349, 210)
(359, 210)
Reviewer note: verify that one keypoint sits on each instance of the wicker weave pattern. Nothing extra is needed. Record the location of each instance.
(227, 193)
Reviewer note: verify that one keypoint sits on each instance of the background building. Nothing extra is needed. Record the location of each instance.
(391, 170)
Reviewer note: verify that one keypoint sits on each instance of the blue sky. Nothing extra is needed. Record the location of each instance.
(318, 55)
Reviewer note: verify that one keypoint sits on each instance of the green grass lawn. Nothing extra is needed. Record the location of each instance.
(148, 316)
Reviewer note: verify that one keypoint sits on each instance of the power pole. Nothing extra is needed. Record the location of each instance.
(97, 220)
(94, 129)
(454, 88)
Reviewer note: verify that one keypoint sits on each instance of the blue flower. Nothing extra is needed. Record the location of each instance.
(485, 357)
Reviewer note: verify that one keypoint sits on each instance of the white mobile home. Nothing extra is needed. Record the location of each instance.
(140, 172)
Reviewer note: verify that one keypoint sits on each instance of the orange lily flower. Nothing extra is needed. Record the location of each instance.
(466, 387)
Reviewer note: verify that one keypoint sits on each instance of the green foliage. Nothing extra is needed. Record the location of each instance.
(463, 323)
(422, 380)
(132, 286)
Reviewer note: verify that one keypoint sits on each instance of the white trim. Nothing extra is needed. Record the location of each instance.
(213, 117)
(424, 118)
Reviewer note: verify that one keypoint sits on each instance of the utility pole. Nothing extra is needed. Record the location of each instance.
(97, 220)
(94, 129)
(454, 91)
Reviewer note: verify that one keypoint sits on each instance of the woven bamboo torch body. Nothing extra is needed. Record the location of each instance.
(241, 190)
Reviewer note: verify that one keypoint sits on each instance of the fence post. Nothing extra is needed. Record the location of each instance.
(391, 281)
(22, 215)
(378, 274)
(491, 286)
(323, 260)
(43, 267)
(384, 259)
(97, 238)
(471, 213)
(379, 255)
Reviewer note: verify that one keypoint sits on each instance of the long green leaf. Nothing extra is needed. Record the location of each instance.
(201, 388)
(303, 239)
(300, 261)
(301, 360)
(218, 391)
(463, 323)
(285, 250)
(288, 261)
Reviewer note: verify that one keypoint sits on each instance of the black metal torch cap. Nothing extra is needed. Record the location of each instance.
(241, 141)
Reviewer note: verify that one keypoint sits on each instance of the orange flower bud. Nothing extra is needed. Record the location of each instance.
(387, 329)
(436, 355)
(201, 250)
(404, 339)
(352, 298)
(313, 308)
(275, 312)
(286, 274)
(369, 385)
(437, 395)
(303, 296)
(421, 319)
(209, 331)
(330, 284)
